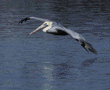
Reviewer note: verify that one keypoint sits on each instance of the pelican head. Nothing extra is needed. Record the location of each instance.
(45, 26)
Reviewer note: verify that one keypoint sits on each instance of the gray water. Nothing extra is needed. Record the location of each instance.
(47, 62)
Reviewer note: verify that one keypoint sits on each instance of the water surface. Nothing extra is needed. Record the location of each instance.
(47, 62)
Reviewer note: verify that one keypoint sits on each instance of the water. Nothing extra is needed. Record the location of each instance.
(47, 62)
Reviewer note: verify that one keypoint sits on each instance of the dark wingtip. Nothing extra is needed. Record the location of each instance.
(90, 48)
(87, 46)
(25, 19)
(93, 51)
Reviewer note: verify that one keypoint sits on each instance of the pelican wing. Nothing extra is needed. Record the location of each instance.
(87, 46)
(35, 18)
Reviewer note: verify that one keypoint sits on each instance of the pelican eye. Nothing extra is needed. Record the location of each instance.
(45, 24)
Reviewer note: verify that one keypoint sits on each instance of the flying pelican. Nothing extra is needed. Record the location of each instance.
(52, 27)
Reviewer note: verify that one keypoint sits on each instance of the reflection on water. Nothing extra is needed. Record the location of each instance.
(87, 63)
(47, 62)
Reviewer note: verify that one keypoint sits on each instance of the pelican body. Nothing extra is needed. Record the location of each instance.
(52, 27)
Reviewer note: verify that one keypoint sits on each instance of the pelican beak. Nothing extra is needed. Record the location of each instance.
(40, 27)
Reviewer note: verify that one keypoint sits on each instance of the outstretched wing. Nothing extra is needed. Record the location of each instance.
(35, 18)
(87, 46)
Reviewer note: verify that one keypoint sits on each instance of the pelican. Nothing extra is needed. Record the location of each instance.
(52, 27)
